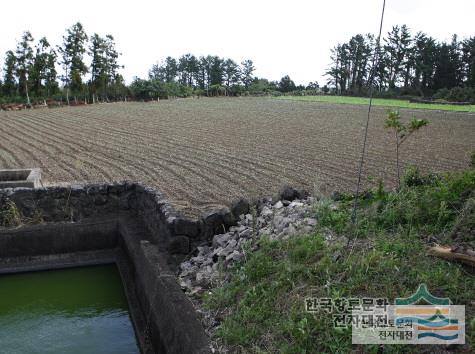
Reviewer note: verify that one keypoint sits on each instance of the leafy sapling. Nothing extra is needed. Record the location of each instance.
(402, 132)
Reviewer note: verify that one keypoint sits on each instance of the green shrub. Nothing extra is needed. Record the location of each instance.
(413, 177)
(429, 203)
(9, 213)
(441, 94)
(456, 94)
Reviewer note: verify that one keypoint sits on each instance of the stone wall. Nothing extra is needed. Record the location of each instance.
(173, 233)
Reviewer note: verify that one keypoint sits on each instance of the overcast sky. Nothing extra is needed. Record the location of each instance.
(281, 37)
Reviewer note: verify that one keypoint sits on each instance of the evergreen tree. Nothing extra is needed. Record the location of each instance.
(468, 61)
(397, 49)
(24, 62)
(359, 52)
(247, 70)
(202, 74)
(186, 68)
(114, 79)
(216, 71)
(104, 66)
(72, 53)
(335, 72)
(231, 74)
(448, 68)
(286, 84)
(98, 66)
(10, 86)
(166, 71)
(312, 86)
(43, 74)
(407, 64)
(424, 56)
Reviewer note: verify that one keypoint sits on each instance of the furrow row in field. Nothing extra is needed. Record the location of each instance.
(127, 165)
(212, 182)
(55, 150)
(69, 140)
(15, 139)
(223, 168)
(101, 160)
(47, 155)
(203, 153)
(227, 159)
(7, 157)
(17, 152)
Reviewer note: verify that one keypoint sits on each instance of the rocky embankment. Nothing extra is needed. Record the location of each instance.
(276, 220)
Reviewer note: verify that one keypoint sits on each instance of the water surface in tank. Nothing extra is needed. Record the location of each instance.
(77, 310)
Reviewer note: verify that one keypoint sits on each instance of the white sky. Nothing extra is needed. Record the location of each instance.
(281, 37)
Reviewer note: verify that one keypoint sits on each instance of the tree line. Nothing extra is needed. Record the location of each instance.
(188, 74)
(210, 76)
(407, 65)
(90, 72)
(29, 71)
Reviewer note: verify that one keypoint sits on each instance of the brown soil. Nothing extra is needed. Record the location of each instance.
(203, 153)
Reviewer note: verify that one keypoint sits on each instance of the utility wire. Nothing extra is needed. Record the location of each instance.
(373, 70)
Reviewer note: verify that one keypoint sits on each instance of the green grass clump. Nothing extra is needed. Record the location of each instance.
(428, 204)
(263, 304)
(386, 102)
(9, 214)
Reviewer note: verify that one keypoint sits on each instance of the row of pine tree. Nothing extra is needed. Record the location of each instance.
(90, 72)
(406, 64)
(30, 71)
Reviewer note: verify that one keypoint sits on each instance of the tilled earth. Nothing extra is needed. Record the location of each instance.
(202, 153)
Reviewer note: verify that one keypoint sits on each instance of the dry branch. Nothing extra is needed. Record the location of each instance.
(453, 254)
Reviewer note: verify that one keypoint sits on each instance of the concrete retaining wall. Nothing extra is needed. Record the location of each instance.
(173, 233)
(163, 316)
(57, 238)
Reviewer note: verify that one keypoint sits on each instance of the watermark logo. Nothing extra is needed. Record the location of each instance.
(421, 318)
(438, 322)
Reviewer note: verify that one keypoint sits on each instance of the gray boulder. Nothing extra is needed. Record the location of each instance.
(240, 207)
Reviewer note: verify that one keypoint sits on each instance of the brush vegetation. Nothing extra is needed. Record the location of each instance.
(263, 303)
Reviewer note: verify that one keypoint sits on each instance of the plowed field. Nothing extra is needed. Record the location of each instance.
(204, 152)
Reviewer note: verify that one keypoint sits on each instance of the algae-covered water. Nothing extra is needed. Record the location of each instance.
(77, 310)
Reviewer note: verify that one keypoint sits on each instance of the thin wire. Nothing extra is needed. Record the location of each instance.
(373, 69)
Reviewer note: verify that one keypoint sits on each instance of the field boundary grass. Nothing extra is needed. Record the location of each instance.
(385, 102)
(262, 306)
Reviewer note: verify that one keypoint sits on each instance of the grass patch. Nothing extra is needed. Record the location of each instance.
(263, 304)
(379, 102)
(10, 216)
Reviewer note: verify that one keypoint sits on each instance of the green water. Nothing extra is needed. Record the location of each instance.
(69, 311)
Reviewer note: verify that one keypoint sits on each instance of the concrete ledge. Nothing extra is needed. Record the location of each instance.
(56, 261)
(26, 178)
(172, 320)
(46, 239)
